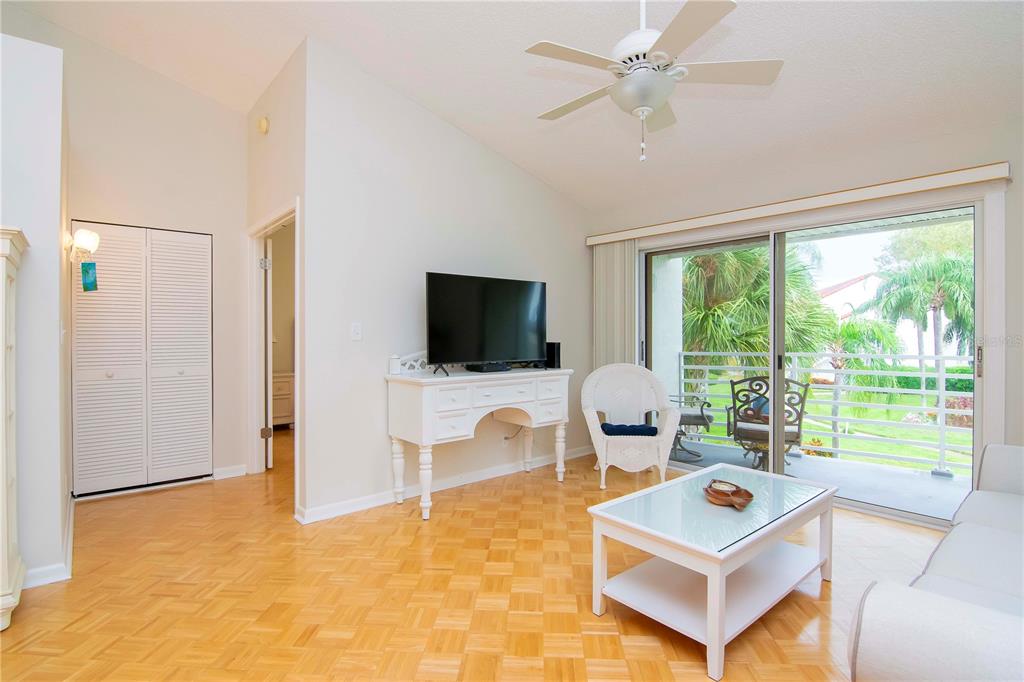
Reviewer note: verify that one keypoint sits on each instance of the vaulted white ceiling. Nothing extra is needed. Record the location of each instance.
(862, 70)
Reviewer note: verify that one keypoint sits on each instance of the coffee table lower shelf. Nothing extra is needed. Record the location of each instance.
(677, 597)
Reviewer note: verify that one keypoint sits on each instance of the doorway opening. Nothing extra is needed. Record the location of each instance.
(279, 322)
(275, 351)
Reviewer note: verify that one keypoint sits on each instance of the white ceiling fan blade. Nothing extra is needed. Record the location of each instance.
(661, 119)
(569, 107)
(571, 54)
(757, 72)
(693, 20)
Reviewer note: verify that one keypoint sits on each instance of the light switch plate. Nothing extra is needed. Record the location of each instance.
(356, 331)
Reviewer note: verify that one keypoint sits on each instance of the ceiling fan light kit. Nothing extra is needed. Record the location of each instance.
(646, 72)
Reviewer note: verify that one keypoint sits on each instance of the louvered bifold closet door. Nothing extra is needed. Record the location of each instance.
(108, 337)
(180, 378)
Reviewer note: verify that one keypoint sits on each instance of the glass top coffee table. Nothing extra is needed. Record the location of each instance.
(715, 570)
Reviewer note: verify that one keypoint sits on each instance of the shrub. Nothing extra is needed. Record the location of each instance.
(960, 403)
(965, 385)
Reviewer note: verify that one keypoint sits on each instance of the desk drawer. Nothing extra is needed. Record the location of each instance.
(453, 398)
(549, 389)
(454, 425)
(282, 407)
(502, 394)
(282, 387)
(550, 411)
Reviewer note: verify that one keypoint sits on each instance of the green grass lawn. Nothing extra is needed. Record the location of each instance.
(895, 429)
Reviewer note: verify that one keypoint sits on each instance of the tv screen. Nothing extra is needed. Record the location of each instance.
(483, 319)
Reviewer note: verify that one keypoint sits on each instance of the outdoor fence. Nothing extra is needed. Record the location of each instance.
(917, 410)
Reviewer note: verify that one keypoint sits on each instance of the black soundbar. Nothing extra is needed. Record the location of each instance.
(489, 367)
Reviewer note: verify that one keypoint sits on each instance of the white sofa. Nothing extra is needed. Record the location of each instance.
(961, 619)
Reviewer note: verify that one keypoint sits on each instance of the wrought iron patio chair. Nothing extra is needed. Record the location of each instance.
(746, 420)
(692, 418)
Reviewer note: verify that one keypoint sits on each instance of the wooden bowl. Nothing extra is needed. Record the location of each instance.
(738, 498)
(721, 486)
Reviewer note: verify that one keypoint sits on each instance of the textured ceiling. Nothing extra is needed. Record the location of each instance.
(853, 69)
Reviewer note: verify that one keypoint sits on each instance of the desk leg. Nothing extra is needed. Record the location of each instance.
(600, 571)
(398, 467)
(560, 451)
(825, 544)
(716, 625)
(527, 448)
(425, 477)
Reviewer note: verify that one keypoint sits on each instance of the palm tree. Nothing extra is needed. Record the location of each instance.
(933, 286)
(896, 303)
(859, 336)
(726, 295)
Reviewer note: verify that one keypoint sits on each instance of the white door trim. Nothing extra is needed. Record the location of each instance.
(259, 382)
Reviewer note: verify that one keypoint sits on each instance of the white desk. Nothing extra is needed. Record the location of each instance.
(429, 409)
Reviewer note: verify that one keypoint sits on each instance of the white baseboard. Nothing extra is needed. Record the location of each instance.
(44, 575)
(55, 573)
(229, 472)
(329, 511)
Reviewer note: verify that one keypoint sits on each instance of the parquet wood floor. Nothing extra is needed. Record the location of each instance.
(216, 581)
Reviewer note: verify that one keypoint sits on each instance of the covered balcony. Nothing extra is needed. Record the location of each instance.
(894, 430)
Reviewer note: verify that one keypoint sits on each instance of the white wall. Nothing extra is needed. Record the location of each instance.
(144, 150)
(392, 191)
(788, 174)
(276, 161)
(31, 199)
(276, 177)
(283, 298)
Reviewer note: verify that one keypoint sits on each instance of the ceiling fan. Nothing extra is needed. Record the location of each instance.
(646, 71)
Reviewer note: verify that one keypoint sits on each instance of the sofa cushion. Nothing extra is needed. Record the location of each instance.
(957, 589)
(998, 510)
(990, 558)
(1002, 468)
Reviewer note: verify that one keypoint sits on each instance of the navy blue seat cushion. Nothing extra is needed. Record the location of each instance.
(629, 429)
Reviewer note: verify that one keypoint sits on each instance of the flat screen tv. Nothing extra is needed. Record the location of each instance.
(482, 320)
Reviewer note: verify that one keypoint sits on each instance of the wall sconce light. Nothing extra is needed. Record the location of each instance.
(84, 243)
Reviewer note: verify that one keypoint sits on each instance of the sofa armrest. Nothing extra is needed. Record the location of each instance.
(1002, 469)
(902, 633)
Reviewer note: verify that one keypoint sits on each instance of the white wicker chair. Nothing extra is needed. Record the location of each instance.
(625, 393)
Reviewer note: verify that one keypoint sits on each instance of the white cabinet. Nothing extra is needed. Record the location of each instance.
(141, 359)
(12, 569)
(284, 400)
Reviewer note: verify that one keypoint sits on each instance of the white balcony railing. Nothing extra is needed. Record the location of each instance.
(888, 412)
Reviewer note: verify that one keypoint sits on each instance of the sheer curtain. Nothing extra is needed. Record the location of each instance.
(615, 302)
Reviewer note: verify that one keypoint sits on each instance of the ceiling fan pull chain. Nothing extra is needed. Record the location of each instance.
(643, 136)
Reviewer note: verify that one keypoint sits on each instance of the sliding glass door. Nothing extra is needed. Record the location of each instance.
(875, 385)
(707, 319)
(889, 372)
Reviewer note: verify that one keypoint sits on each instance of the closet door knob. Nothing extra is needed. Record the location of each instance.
(181, 372)
(110, 375)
